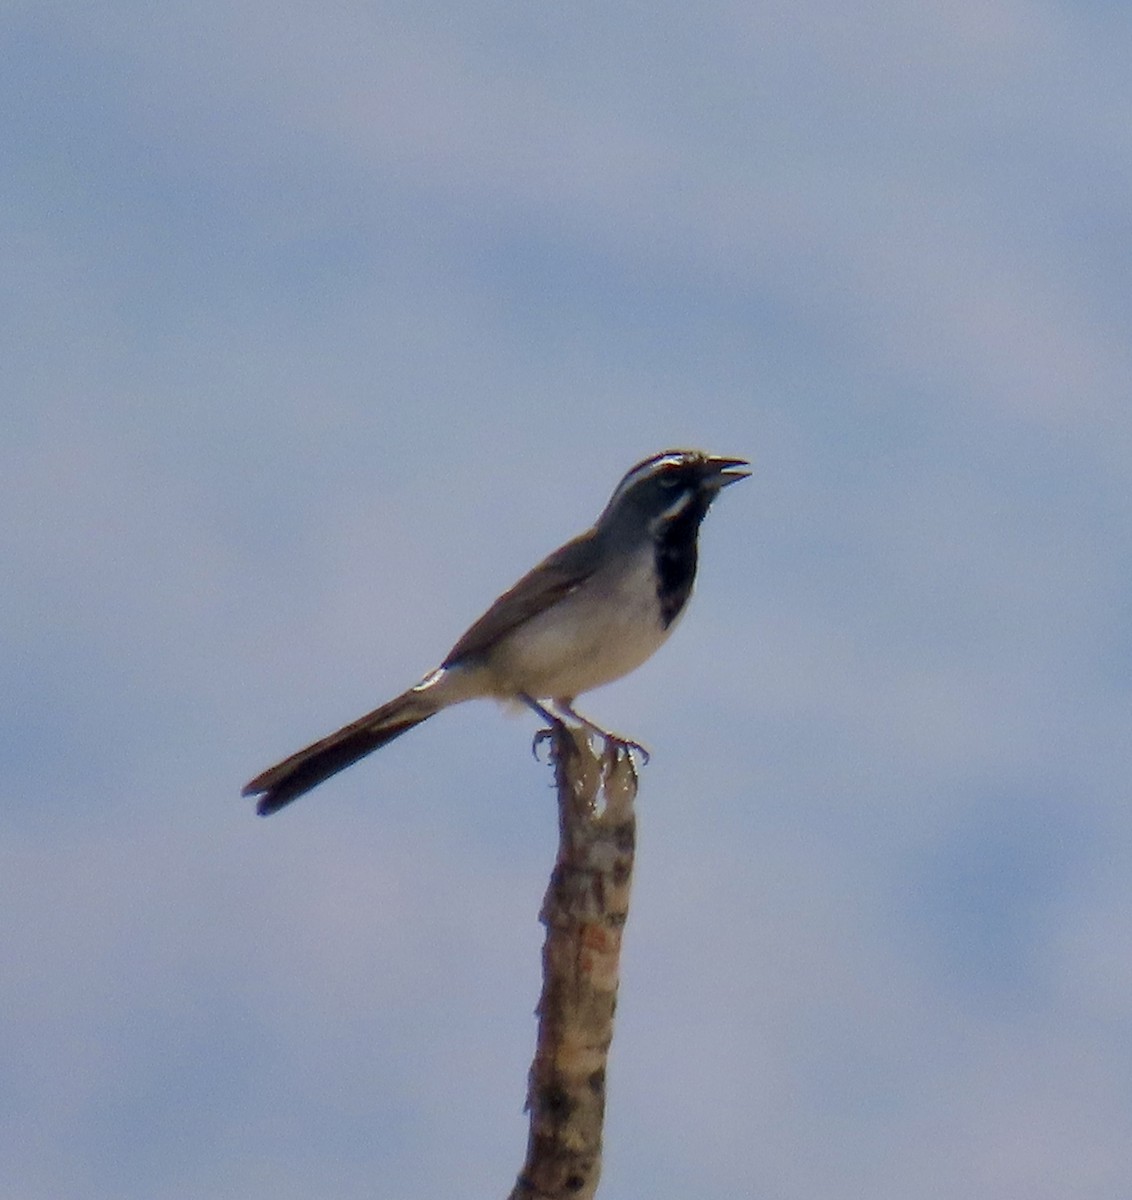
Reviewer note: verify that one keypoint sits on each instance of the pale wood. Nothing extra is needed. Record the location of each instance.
(584, 911)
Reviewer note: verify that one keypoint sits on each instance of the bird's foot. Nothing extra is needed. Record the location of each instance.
(615, 744)
(613, 741)
(621, 745)
(552, 734)
(545, 735)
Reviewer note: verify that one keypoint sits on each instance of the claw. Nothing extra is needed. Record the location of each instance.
(543, 735)
(629, 747)
(614, 743)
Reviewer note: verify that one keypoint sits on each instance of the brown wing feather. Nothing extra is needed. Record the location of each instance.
(556, 576)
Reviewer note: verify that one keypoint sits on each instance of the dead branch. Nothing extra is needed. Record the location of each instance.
(584, 911)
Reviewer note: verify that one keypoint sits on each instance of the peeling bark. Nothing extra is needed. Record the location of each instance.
(584, 911)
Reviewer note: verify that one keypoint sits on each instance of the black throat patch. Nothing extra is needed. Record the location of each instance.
(676, 560)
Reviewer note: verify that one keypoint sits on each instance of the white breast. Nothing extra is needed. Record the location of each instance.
(587, 639)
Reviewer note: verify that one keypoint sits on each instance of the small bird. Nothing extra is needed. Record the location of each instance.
(592, 611)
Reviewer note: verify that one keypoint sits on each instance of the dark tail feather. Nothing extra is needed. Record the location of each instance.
(286, 781)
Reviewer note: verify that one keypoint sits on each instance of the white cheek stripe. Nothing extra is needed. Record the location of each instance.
(672, 511)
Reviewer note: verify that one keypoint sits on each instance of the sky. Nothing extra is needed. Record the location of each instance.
(321, 324)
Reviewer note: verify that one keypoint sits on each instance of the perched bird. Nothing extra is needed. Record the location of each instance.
(592, 611)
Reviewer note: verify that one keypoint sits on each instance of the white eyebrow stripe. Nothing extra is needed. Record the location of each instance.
(649, 467)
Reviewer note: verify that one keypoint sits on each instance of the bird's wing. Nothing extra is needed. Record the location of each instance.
(555, 577)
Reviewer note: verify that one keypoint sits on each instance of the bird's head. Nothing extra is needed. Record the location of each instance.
(677, 485)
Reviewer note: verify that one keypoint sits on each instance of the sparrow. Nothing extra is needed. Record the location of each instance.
(589, 613)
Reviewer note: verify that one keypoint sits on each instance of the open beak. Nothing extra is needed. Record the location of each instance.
(725, 471)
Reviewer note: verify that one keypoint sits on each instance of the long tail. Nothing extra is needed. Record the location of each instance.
(284, 782)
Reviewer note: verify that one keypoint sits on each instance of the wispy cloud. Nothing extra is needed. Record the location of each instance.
(322, 326)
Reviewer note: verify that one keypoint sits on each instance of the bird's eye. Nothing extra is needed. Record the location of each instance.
(668, 482)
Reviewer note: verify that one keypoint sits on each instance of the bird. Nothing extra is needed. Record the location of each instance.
(589, 613)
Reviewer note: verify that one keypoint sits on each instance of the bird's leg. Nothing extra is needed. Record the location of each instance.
(613, 739)
(554, 723)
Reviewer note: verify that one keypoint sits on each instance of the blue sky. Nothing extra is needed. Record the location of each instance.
(321, 324)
